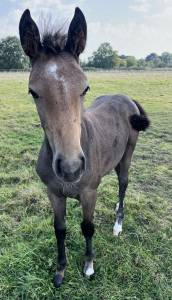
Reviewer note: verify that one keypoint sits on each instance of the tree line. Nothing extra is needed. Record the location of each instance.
(13, 57)
(107, 58)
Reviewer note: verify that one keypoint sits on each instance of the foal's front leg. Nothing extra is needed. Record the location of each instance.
(59, 207)
(88, 201)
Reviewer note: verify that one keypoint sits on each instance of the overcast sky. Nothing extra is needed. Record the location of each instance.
(133, 27)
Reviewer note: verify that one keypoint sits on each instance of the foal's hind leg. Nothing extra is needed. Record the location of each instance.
(122, 172)
(88, 200)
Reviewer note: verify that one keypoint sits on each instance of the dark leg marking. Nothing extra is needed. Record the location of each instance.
(60, 236)
(88, 231)
(59, 207)
(61, 259)
(88, 201)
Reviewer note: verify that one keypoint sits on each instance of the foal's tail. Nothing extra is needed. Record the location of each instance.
(139, 122)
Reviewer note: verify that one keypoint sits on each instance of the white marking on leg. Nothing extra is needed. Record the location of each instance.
(117, 206)
(117, 228)
(88, 268)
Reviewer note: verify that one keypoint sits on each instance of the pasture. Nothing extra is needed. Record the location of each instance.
(138, 264)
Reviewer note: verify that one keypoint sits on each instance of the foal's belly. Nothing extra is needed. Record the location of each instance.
(109, 163)
(112, 155)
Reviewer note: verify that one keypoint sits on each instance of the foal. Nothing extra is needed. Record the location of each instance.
(80, 146)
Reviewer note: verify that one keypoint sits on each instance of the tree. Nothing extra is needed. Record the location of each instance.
(153, 60)
(131, 61)
(166, 58)
(116, 60)
(151, 57)
(12, 55)
(141, 63)
(103, 57)
(123, 63)
(123, 56)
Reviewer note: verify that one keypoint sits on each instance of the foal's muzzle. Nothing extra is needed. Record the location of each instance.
(70, 170)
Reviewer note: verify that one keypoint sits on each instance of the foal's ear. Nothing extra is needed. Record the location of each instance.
(29, 35)
(77, 34)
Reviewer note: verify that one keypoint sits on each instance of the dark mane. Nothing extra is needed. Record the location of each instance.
(53, 43)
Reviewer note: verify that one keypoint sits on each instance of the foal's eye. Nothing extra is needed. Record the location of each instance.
(34, 95)
(85, 91)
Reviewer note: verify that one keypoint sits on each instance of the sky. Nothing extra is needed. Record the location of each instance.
(132, 27)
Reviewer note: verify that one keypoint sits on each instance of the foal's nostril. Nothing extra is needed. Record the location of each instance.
(59, 166)
(82, 158)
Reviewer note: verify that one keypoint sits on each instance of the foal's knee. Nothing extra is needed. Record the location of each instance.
(60, 233)
(123, 181)
(87, 228)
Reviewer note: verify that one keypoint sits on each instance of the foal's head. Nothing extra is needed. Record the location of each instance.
(58, 85)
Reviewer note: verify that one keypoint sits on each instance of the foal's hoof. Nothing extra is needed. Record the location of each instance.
(58, 280)
(89, 277)
(89, 270)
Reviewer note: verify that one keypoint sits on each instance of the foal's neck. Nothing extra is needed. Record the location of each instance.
(87, 134)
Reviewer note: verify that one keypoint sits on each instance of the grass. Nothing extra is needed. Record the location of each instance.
(138, 264)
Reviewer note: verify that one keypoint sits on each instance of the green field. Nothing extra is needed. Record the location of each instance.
(138, 264)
